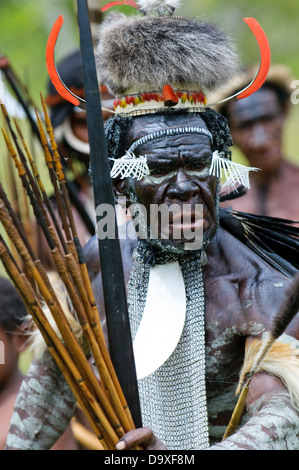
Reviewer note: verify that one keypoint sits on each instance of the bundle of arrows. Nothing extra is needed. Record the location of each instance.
(97, 388)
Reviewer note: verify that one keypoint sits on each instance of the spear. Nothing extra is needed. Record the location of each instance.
(71, 341)
(119, 335)
(58, 351)
(76, 302)
(37, 193)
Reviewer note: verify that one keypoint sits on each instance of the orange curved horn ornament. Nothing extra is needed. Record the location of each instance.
(61, 88)
(265, 62)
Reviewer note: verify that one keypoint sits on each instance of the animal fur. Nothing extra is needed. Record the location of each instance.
(36, 341)
(161, 6)
(282, 361)
(140, 54)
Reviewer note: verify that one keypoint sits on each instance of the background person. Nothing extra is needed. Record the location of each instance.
(257, 125)
(70, 130)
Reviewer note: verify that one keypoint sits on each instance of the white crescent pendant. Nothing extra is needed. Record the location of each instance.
(163, 319)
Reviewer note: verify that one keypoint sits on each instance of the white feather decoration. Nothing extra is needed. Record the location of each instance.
(163, 7)
(129, 166)
(235, 173)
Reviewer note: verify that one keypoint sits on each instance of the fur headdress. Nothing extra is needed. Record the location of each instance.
(141, 54)
(164, 7)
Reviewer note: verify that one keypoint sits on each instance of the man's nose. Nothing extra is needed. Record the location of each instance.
(259, 136)
(182, 187)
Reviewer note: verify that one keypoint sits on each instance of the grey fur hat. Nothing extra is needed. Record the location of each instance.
(142, 53)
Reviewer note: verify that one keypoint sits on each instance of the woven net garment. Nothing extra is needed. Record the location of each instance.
(173, 398)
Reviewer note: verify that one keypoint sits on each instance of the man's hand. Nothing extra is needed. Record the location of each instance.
(142, 436)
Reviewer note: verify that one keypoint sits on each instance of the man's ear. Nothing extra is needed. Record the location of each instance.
(119, 187)
(120, 192)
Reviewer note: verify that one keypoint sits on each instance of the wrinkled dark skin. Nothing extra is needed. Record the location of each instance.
(242, 292)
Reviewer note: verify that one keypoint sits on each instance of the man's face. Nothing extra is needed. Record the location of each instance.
(179, 177)
(256, 127)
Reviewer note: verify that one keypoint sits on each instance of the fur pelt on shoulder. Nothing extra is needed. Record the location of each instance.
(281, 362)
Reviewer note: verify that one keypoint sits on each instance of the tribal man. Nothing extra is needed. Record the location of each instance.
(242, 294)
(196, 311)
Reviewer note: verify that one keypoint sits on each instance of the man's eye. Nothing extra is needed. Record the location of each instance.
(202, 163)
(198, 166)
(158, 172)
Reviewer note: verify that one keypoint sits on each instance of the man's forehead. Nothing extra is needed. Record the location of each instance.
(263, 102)
(148, 124)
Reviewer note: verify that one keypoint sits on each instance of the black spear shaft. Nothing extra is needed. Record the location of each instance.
(119, 335)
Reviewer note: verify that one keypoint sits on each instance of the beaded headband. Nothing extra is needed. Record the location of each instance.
(168, 132)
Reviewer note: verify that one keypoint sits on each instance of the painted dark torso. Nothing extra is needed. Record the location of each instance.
(242, 293)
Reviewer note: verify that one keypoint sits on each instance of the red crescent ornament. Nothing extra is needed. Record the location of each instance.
(61, 88)
(265, 62)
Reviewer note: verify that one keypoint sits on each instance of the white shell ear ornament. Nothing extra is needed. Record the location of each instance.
(235, 173)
